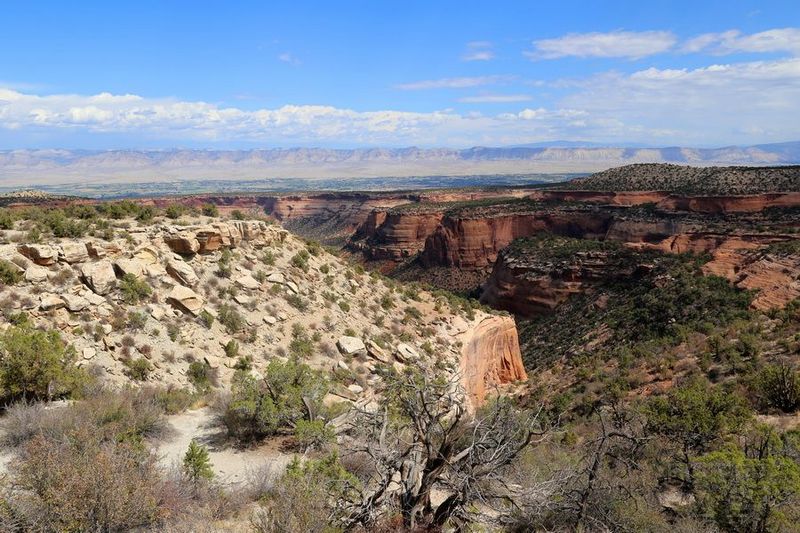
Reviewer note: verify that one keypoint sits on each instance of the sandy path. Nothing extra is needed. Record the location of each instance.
(231, 465)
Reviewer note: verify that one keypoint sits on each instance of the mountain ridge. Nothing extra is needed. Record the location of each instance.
(54, 166)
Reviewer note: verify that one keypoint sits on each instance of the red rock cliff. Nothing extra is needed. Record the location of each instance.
(490, 357)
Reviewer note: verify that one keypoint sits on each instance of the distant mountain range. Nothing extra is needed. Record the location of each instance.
(42, 167)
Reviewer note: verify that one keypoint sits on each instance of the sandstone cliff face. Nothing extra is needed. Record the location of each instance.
(532, 289)
(775, 278)
(674, 202)
(490, 357)
(475, 242)
(396, 236)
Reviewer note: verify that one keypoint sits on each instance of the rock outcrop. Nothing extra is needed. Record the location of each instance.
(99, 276)
(490, 357)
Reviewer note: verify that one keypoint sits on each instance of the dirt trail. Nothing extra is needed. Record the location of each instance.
(231, 465)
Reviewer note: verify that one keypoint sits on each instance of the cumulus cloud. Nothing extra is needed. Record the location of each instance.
(708, 105)
(622, 44)
(733, 41)
(201, 121)
(478, 51)
(736, 103)
(453, 83)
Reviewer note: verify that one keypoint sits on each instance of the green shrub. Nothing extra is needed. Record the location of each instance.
(174, 211)
(196, 464)
(9, 273)
(313, 433)
(133, 289)
(300, 260)
(259, 408)
(232, 348)
(209, 210)
(199, 375)
(36, 364)
(778, 387)
(206, 318)
(138, 369)
(230, 318)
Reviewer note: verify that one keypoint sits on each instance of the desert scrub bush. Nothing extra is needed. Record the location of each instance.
(301, 499)
(201, 376)
(325, 268)
(260, 408)
(230, 318)
(777, 386)
(232, 348)
(84, 484)
(296, 301)
(133, 290)
(301, 345)
(268, 258)
(387, 302)
(224, 269)
(344, 306)
(174, 211)
(209, 210)
(36, 364)
(136, 320)
(138, 369)
(314, 248)
(206, 318)
(196, 464)
(313, 434)
(300, 260)
(236, 214)
(9, 273)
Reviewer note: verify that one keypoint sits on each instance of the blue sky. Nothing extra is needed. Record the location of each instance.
(250, 74)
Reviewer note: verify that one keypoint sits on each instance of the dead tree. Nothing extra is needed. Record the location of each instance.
(422, 438)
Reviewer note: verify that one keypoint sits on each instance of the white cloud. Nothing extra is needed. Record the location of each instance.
(172, 120)
(733, 41)
(495, 98)
(453, 83)
(288, 57)
(725, 103)
(716, 104)
(478, 51)
(625, 44)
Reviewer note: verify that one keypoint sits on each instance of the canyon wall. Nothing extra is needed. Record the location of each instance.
(490, 357)
(475, 242)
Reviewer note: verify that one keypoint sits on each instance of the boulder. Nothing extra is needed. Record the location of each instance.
(378, 353)
(271, 320)
(276, 277)
(39, 253)
(98, 250)
(350, 345)
(248, 282)
(74, 302)
(129, 266)
(49, 302)
(182, 243)
(89, 353)
(147, 255)
(182, 272)
(36, 274)
(185, 299)
(405, 353)
(73, 252)
(99, 276)
(292, 286)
